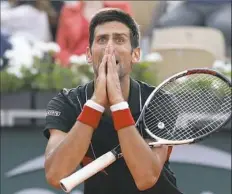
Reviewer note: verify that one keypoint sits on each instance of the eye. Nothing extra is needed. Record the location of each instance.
(120, 40)
(102, 40)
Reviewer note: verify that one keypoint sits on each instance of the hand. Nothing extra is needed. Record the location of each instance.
(100, 94)
(114, 90)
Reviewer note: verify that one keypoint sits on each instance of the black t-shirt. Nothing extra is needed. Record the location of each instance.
(62, 112)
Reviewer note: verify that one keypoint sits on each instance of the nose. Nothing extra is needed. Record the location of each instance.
(110, 46)
(109, 43)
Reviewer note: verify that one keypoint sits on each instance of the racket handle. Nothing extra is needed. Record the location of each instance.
(68, 183)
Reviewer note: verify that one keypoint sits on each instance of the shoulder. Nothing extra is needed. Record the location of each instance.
(145, 87)
(73, 97)
(145, 90)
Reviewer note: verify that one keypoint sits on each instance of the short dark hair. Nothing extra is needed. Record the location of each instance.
(26, 2)
(115, 14)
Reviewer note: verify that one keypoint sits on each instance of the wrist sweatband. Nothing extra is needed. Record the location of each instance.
(91, 114)
(121, 115)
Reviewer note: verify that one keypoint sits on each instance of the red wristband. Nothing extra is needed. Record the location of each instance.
(122, 118)
(90, 116)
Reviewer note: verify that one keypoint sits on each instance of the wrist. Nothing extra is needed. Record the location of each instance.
(121, 115)
(119, 106)
(117, 101)
(91, 114)
(98, 101)
(95, 105)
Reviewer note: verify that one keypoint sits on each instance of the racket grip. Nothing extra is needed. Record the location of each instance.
(68, 183)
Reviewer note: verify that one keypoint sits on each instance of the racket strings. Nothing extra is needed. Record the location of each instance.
(188, 134)
(209, 127)
(206, 129)
(189, 107)
(153, 109)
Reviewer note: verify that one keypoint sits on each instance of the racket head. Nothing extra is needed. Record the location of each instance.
(188, 107)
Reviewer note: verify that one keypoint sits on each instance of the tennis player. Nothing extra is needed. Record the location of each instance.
(85, 122)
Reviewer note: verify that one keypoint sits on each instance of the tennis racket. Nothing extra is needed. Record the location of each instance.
(184, 109)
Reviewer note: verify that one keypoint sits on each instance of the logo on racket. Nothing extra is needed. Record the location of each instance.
(161, 125)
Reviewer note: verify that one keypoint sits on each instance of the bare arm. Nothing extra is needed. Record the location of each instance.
(65, 151)
(145, 164)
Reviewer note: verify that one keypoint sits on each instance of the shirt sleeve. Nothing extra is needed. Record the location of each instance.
(61, 114)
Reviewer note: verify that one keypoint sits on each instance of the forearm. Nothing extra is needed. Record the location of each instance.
(64, 159)
(144, 164)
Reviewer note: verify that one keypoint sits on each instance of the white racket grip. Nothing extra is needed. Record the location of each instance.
(68, 183)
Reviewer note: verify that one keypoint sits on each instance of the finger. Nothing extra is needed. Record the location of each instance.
(110, 49)
(111, 60)
(111, 67)
(108, 59)
(114, 60)
(107, 50)
(109, 64)
(102, 67)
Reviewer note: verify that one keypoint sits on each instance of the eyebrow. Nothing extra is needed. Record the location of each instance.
(114, 34)
(120, 34)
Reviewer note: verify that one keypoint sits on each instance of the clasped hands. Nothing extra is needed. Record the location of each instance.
(107, 89)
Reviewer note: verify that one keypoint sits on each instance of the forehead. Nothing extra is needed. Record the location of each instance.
(109, 28)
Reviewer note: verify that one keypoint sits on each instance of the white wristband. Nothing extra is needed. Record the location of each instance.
(94, 105)
(119, 106)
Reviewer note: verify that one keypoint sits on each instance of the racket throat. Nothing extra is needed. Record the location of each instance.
(155, 144)
(117, 152)
(160, 142)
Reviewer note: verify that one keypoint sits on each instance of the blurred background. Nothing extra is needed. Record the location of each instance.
(43, 50)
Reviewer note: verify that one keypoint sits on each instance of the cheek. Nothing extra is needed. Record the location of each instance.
(127, 59)
(125, 54)
(97, 54)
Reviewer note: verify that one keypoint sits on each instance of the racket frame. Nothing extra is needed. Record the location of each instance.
(165, 82)
(68, 183)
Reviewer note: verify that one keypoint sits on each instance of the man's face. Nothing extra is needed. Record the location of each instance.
(116, 35)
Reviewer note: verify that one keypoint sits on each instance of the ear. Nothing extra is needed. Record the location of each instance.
(136, 55)
(89, 55)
